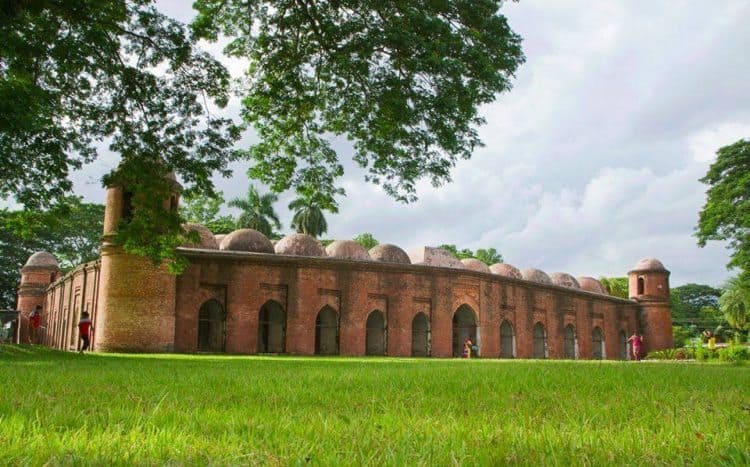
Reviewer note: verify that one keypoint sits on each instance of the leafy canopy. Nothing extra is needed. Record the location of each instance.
(615, 286)
(204, 210)
(257, 212)
(488, 256)
(402, 81)
(735, 303)
(366, 240)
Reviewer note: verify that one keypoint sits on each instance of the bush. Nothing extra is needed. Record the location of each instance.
(703, 353)
(734, 353)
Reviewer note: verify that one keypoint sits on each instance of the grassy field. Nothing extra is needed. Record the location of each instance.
(62, 408)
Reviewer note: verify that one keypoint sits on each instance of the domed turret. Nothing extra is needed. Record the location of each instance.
(246, 240)
(649, 264)
(648, 284)
(347, 249)
(299, 245)
(536, 275)
(589, 284)
(206, 240)
(42, 259)
(563, 279)
(388, 253)
(506, 270)
(474, 264)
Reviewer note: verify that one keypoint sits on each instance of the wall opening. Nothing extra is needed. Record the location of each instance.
(570, 347)
(623, 346)
(641, 286)
(420, 336)
(127, 206)
(464, 327)
(375, 340)
(211, 327)
(597, 340)
(507, 340)
(327, 332)
(540, 341)
(271, 328)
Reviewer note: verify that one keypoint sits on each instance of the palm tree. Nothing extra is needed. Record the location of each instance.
(257, 212)
(308, 215)
(735, 303)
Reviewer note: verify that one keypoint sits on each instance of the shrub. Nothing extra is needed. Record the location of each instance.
(734, 353)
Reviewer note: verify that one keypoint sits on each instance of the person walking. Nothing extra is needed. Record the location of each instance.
(35, 321)
(637, 343)
(85, 329)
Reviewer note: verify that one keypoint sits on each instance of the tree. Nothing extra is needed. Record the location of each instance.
(366, 240)
(735, 303)
(71, 230)
(403, 81)
(615, 286)
(692, 303)
(489, 256)
(204, 210)
(73, 74)
(257, 212)
(308, 210)
(726, 214)
(460, 254)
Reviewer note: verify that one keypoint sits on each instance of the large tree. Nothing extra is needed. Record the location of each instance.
(75, 74)
(71, 230)
(257, 212)
(726, 214)
(403, 81)
(735, 303)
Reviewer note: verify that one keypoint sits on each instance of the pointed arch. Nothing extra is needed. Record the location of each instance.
(507, 340)
(271, 328)
(420, 336)
(376, 334)
(327, 332)
(211, 327)
(464, 327)
(570, 344)
(597, 343)
(622, 339)
(540, 341)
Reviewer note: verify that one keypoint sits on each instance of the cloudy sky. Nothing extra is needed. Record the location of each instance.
(592, 161)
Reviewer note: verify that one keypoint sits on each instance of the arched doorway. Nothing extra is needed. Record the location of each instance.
(570, 347)
(597, 347)
(623, 345)
(211, 327)
(464, 326)
(327, 332)
(271, 328)
(375, 340)
(507, 340)
(540, 341)
(420, 336)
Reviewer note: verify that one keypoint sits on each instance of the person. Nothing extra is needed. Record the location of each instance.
(84, 331)
(637, 342)
(467, 348)
(35, 321)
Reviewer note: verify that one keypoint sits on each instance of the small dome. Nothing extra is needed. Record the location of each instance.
(649, 264)
(563, 279)
(388, 253)
(347, 249)
(42, 259)
(246, 240)
(506, 270)
(207, 239)
(219, 238)
(536, 275)
(299, 245)
(474, 264)
(589, 284)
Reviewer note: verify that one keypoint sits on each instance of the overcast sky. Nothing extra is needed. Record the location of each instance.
(592, 161)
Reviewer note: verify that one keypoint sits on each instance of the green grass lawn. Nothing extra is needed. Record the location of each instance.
(65, 408)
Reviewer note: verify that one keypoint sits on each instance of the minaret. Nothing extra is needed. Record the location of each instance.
(136, 298)
(40, 270)
(648, 284)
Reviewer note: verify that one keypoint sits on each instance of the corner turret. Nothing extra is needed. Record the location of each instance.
(40, 270)
(648, 284)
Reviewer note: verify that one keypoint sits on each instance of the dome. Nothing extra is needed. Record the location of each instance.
(42, 259)
(207, 239)
(474, 264)
(388, 253)
(299, 245)
(347, 249)
(506, 270)
(536, 275)
(589, 284)
(246, 240)
(649, 264)
(563, 279)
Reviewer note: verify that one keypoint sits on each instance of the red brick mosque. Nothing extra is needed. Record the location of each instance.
(242, 294)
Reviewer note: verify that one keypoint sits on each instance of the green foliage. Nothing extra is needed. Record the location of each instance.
(308, 213)
(488, 256)
(71, 230)
(734, 353)
(735, 303)
(257, 212)
(229, 410)
(680, 353)
(726, 214)
(615, 286)
(403, 81)
(204, 210)
(366, 240)
(703, 354)
(681, 334)
(75, 73)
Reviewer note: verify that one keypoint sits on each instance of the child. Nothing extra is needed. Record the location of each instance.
(84, 331)
(637, 346)
(467, 348)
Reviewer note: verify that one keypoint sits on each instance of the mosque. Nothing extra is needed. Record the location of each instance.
(243, 294)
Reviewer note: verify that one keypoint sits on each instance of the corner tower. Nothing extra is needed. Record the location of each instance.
(136, 311)
(648, 284)
(40, 270)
